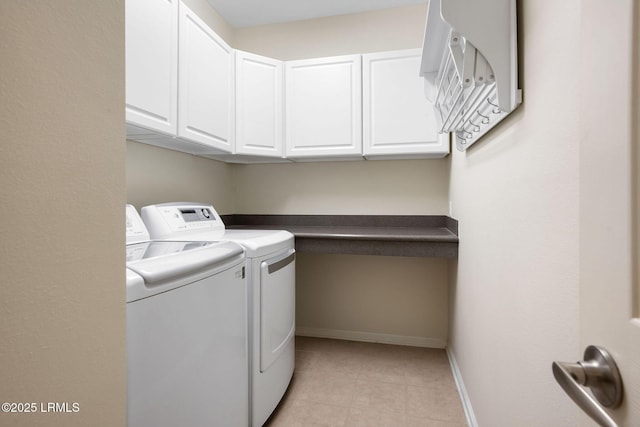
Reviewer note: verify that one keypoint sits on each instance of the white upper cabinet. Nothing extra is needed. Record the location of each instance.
(259, 105)
(398, 121)
(206, 96)
(152, 67)
(323, 117)
(188, 90)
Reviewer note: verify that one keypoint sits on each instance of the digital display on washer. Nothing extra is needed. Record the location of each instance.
(199, 214)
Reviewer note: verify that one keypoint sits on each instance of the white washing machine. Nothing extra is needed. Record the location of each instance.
(271, 297)
(187, 347)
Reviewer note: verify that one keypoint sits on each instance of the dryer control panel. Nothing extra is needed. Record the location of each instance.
(177, 221)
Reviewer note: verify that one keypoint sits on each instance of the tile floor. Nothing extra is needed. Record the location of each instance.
(347, 383)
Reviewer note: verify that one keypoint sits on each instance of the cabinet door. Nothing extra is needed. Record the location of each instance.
(152, 64)
(323, 108)
(398, 121)
(205, 91)
(259, 107)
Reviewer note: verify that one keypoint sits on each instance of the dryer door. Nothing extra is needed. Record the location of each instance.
(277, 306)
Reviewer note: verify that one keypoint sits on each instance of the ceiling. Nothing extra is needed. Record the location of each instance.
(249, 13)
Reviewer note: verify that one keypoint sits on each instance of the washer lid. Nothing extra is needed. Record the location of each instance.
(168, 265)
(147, 250)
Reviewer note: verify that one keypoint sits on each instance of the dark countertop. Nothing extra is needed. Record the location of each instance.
(391, 235)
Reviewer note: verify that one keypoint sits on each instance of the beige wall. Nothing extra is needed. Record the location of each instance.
(157, 175)
(387, 29)
(62, 172)
(203, 9)
(387, 299)
(402, 187)
(514, 294)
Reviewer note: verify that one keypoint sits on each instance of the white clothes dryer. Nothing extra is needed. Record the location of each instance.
(187, 347)
(271, 298)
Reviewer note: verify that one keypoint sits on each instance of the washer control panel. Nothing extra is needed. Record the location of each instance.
(173, 221)
(135, 229)
(191, 215)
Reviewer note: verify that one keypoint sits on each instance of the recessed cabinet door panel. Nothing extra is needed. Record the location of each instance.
(323, 107)
(205, 89)
(259, 106)
(398, 121)
(152, 67)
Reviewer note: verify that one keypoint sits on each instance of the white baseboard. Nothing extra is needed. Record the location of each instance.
(462, 391)
(371, 337)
